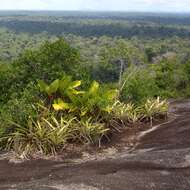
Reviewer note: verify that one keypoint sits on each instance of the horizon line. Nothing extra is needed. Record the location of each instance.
(96, 10)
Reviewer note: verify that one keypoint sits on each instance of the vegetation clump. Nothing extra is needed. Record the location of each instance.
(69, 115)
(52, 107)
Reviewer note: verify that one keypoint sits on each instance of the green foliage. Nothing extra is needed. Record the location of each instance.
(150, 53)
(82, 116)
(139, 84)
(49, 89)
(91, 24)
(153, 108)
(147, 111)
(37, 64)
(170, 78)
(133, 113)
(90, 132)
(18, 108)
(45, 136)
(94, 101)
(51, 61)
(129, 111)
(71, 114)
(167, 79)
(71, 106)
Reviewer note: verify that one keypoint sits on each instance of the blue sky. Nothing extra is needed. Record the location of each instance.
(121, 5)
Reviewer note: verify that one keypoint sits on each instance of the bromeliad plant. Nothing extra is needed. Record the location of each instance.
(129, 112)
(91, 132)
(153, 108)
(150, 110)
(46, 136)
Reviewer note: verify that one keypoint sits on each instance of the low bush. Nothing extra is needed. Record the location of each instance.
(138, 84)
(167, 79)
(65, 96)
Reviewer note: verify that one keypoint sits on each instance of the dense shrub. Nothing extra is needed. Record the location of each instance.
(138, 84)
(171, 79)
(168, 79)
(51, 61)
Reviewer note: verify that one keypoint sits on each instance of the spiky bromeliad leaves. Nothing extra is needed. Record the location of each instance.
(46, 136)
(153, 107)
(90, 132)
(129, 111)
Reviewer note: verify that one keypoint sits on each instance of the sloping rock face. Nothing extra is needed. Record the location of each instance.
(159, 161)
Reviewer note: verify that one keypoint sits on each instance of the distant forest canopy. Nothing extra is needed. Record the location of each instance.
(87, 24)
(93, 33)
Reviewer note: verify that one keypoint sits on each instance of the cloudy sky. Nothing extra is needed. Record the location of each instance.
(122, 5)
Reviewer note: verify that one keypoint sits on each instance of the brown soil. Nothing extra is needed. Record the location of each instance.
(157, 159)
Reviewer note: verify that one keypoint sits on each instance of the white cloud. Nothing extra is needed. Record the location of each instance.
(143, 5)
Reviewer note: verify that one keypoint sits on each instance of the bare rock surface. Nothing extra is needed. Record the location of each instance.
(159, 161)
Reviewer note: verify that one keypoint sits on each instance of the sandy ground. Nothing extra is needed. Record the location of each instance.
(160, 160)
